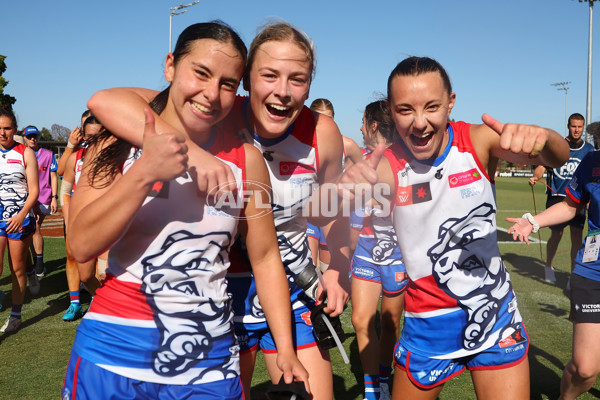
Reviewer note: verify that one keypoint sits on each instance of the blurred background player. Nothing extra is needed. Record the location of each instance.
(557, 181)
(18, 195)
(48, 198)
(377, 272)
(72, 171)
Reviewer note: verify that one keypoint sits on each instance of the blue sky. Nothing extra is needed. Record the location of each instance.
(502, 56)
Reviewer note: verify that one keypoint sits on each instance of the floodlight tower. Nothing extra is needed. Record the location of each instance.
(176, 11)
(563, 86)
(588, 108)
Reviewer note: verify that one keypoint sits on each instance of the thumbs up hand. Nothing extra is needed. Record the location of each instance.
(165, 155)
(519, 138)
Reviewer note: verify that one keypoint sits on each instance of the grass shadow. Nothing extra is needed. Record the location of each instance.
(340, 390)
(54, 307)
(553, 309)
(544, 381)
(533, 268)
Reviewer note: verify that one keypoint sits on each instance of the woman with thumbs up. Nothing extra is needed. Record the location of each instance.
(460, 309)
(161, 325)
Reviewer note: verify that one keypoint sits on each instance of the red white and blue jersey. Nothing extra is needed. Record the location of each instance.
(79, 155)
(164, 314)
(292, 161)
(46, 164)
(377, 243)
(444, 215)
(13, 181)
(585, 188)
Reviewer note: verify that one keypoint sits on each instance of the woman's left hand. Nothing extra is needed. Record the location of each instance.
(53, 206)
(521, 229)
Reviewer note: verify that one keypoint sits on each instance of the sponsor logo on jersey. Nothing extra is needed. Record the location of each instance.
(159, 189)
(300, 181)
(43, 168)
(465, 193)
(568, 168)
(268, 155)
(405, 171)
(13, 161)
(295, 168)
(413, 194)
(399, 276)
(464, 178)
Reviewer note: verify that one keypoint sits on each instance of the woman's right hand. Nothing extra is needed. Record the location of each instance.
(532, 181)
(164, 156)
(14, 224)
(75, 136)
(292, 369)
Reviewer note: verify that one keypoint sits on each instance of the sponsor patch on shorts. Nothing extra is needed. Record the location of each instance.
(399, 276)
(512, 340)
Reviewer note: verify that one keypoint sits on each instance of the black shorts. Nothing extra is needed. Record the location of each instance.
(578, 221)
(585, 299)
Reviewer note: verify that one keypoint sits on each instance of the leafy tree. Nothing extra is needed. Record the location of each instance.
(45, 135)
(59, 132)
(5, 99)
(594, 130)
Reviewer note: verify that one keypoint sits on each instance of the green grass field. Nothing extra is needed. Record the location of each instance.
(33, 360)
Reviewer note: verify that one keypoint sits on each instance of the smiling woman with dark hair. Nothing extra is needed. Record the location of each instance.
(161, 324)
(444, 213)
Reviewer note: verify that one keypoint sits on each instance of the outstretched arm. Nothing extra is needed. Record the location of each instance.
(272, 286)
(518, 143)
(558, 213)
